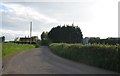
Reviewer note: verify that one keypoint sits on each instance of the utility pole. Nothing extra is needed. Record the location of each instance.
(30, 31)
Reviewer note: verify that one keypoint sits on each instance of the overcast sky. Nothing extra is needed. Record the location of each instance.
(96, 18)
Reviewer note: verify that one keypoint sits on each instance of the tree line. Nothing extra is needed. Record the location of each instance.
(72, 34)
(97, 40)
(63, 34)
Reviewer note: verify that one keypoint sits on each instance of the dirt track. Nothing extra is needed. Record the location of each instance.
(42, 61)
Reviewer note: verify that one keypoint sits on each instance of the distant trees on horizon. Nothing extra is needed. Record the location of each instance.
(104, 41)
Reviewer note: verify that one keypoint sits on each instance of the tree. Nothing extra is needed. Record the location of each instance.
(66, 34)
(44, 38)
(16, 39)
(94, 40)
(2, 39)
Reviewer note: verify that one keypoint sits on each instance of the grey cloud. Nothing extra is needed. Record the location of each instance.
(61, 11)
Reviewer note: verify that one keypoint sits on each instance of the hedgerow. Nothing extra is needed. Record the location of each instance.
(100, 55)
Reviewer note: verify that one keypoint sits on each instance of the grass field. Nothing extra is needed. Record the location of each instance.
(100, 55)
(0, 49)
(10, 48)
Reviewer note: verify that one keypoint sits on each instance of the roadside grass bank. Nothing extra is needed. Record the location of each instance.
(99, 55)
(11, 48)
(0, 49)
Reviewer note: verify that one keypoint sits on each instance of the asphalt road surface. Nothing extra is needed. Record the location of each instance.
(42, 61)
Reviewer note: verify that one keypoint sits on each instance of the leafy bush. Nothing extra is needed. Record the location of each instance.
(100, 55)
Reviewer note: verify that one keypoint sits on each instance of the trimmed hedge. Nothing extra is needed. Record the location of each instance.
(100, 55)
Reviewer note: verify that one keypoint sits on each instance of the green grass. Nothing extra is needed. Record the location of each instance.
(0, 49)
(100, 55)
(10, 48)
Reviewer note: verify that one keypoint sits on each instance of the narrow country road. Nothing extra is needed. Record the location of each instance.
(42, 61)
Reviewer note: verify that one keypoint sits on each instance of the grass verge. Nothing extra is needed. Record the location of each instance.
(10, 48)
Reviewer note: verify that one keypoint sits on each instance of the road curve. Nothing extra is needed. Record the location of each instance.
(42, 61)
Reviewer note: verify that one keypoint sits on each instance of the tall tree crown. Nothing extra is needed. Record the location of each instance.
(66, 34)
